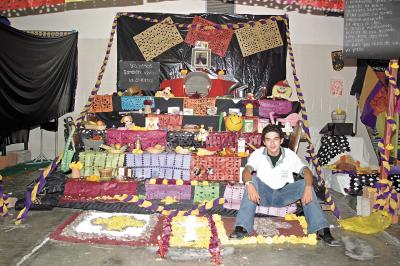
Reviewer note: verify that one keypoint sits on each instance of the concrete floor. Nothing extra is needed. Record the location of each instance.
(27, 244)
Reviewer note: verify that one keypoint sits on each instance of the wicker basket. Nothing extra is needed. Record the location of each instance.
(95, 127)
(106, 174)
(338, 118)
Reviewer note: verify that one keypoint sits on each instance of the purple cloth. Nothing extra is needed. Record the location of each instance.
(163, 165)
(180, 192)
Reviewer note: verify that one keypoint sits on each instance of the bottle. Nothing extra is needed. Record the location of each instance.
(138, 145)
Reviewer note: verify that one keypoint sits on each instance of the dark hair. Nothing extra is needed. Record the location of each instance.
(272, 128)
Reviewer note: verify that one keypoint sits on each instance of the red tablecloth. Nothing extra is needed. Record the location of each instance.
(219, 87)
(79, 188)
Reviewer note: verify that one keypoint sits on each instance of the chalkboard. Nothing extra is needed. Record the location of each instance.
(144, 74)
(372, 29)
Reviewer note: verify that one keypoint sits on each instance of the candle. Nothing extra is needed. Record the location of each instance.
(161, 250)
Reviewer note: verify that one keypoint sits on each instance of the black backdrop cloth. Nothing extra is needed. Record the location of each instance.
(257, 70)
(38, 78)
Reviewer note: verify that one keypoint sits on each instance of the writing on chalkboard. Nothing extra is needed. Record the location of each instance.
(146, 75)
(372, 29)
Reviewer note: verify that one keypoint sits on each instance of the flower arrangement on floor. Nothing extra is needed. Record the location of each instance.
(118, 222)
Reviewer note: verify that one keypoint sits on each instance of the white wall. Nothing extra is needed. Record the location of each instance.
(313, 37)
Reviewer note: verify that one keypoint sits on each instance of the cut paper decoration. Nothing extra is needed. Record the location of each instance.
(322, 4)
(259, 38)
(218, 39)
(373, 98)
(206, 192)
(101, 103)
(336, 87)
(158, 38)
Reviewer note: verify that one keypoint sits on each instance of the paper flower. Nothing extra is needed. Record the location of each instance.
(339, 111)
(76, 165)
(168, 200)
(152, 181)
(179, 182)
(146, 204)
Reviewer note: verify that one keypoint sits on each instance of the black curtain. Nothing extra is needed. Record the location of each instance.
(257, 70)
(38, 78)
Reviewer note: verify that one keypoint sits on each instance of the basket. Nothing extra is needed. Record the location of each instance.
(338, 118)
(105, 174)
(215, 168)
(200, 105)
(95, 127)
(233, 196)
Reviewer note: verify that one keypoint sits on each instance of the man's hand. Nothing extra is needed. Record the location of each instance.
(253, 194)
(307, 195)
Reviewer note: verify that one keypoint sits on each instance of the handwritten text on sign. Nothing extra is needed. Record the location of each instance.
(372, 29)
(144, 74)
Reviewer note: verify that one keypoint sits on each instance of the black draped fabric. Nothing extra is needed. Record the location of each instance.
(257, 70)
(38, 78)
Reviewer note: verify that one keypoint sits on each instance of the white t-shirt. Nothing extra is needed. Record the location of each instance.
(275, 177)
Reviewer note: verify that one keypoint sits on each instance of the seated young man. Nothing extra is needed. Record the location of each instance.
(274, 185)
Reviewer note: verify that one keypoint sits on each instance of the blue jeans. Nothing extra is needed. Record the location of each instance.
(280, 198)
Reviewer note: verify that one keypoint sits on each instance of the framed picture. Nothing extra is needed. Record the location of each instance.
(174, 110)
(248, 126)
(201, 58)
(151, 123)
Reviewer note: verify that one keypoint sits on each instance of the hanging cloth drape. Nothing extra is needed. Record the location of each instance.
(38, 78)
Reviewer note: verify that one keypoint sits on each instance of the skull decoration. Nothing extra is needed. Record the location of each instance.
(282, 90)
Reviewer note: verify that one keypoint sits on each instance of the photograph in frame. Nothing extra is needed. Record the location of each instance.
(201, 58)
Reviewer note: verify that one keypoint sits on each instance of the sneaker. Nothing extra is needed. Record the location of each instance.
(239, 233)
(326, 236)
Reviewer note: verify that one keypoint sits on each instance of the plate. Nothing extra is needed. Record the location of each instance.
(197, 82)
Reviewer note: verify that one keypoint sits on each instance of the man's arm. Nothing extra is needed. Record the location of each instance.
(308, 180)
(246, 174)
(251, 189)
